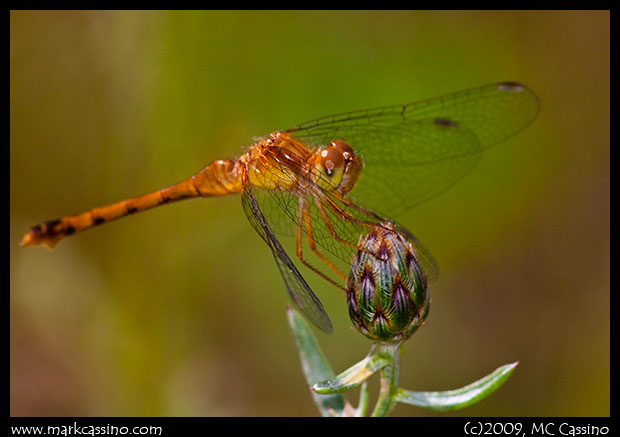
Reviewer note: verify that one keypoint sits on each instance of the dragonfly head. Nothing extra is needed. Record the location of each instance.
(336, 167)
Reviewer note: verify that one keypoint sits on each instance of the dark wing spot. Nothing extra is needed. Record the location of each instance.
(445, 122)
(68, 230)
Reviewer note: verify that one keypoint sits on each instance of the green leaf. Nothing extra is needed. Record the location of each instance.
(354, 375)
(314, 365)
(459, 398)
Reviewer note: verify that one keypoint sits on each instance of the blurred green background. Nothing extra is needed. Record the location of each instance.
(180, 310)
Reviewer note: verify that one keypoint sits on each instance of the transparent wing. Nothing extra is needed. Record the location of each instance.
(324, 219)
(413, 152)
(299, 291)
(410, 153)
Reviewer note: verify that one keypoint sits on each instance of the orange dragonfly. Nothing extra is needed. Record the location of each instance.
(328, 181)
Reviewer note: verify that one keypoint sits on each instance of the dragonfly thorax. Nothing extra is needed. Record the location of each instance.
(281, 162)
(278, 162)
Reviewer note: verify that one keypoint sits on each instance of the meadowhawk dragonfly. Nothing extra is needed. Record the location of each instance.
(328, 181)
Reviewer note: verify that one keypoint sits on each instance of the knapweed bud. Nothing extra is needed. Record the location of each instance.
(386, 288)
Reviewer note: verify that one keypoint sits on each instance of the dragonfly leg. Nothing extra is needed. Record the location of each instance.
(334, 208)
(304, 216)
(330, 228)
(348, 217)
(430, 265)
(354, 205)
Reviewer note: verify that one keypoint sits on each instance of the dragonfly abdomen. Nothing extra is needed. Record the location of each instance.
(217, 179)
(52, 231)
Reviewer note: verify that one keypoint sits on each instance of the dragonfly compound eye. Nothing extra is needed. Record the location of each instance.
(344, 148)
(329, 168)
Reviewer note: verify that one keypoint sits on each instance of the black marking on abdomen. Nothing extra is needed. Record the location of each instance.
(51, 223)
(49, 227)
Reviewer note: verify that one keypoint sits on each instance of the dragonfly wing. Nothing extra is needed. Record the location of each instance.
(332, 223)
(413, 152)
(299, 291)
(427, 262)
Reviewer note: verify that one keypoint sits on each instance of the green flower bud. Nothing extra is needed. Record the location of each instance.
(386, 289)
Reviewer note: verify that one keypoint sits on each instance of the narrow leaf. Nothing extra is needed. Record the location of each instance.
(314, 365)
(459, 398)
(354, 375)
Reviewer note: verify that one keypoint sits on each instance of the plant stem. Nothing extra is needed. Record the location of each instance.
(390, 375)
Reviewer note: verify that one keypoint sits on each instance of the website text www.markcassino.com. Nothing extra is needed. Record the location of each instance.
(91, 430)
